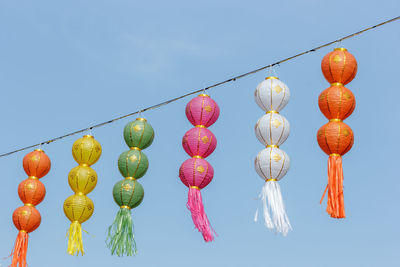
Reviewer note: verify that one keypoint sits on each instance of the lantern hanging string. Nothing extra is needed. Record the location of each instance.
(203, 89)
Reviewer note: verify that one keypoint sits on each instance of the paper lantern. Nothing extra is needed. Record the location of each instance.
(78, 208)
(202, 111)
(133, 163)
(336, 138)
(339, 66)
(128, 193)
(272, 163)
(139, 133)
(82, 179)
(36, 163)
(193, 147)
(31, 192)
(196, 173)
(26, 218)
(337, 102)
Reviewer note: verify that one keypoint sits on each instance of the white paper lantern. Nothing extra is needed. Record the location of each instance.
(272, 94)
(272, 163)
(272, 129)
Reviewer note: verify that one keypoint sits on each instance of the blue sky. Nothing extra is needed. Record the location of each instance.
(67, 65)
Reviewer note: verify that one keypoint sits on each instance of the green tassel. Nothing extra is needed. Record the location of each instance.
(121, 240)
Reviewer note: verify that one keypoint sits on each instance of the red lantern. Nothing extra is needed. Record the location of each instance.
(31, 192)
(336, 138)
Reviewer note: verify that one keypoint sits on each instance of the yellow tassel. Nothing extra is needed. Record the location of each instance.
(75, 244)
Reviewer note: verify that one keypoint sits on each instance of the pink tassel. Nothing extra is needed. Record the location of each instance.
(199, 216)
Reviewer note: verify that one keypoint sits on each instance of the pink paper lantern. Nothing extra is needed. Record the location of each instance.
(196, 172)
(202, 111)
(199, 142)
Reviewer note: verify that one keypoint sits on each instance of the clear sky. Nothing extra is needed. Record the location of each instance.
(65, 65)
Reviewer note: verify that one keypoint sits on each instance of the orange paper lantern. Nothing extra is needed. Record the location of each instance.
(31, 192)
(336, 138)
(26, 218)
(336, 102)
(339, 66)
(36, 163)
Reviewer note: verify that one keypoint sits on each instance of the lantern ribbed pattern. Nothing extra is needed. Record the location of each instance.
(196, 173)
(31, 192)
(336, 138)
(128, 193)
(272, 163)
(82, 179)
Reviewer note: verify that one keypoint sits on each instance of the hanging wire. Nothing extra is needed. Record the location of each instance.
(203, 89)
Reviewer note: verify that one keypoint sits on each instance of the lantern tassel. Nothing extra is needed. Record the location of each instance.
(335, 206)
(121, 240)
(199, 216)
(20, 249)
(275, 217)
(75, 244)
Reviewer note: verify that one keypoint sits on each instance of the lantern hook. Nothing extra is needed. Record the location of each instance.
(140, 114)
(272, 71)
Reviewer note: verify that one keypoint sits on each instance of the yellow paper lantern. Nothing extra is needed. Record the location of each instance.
(86, 150)
(82, 179)
(78, 208)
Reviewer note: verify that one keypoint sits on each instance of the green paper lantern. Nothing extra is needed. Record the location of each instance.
(133, 163)
(128, 193)
(138, 133)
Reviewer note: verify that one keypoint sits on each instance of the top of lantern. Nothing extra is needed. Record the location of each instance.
(202, 110)
(36, 163)
(139, 134)
(86, 150)
(339, 66)
(272, 94)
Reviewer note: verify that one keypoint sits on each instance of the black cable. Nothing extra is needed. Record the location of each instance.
(200, 90)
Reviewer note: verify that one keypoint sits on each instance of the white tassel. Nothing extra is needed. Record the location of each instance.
(271, 198)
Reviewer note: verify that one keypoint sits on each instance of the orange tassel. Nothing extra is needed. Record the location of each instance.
(20, 248)
(335, 206)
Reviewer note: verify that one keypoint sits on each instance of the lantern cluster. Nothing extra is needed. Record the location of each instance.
(335, 138)
(128, 193)
(82, 179)
(31, 191)
(272, 163)
(196, 173)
